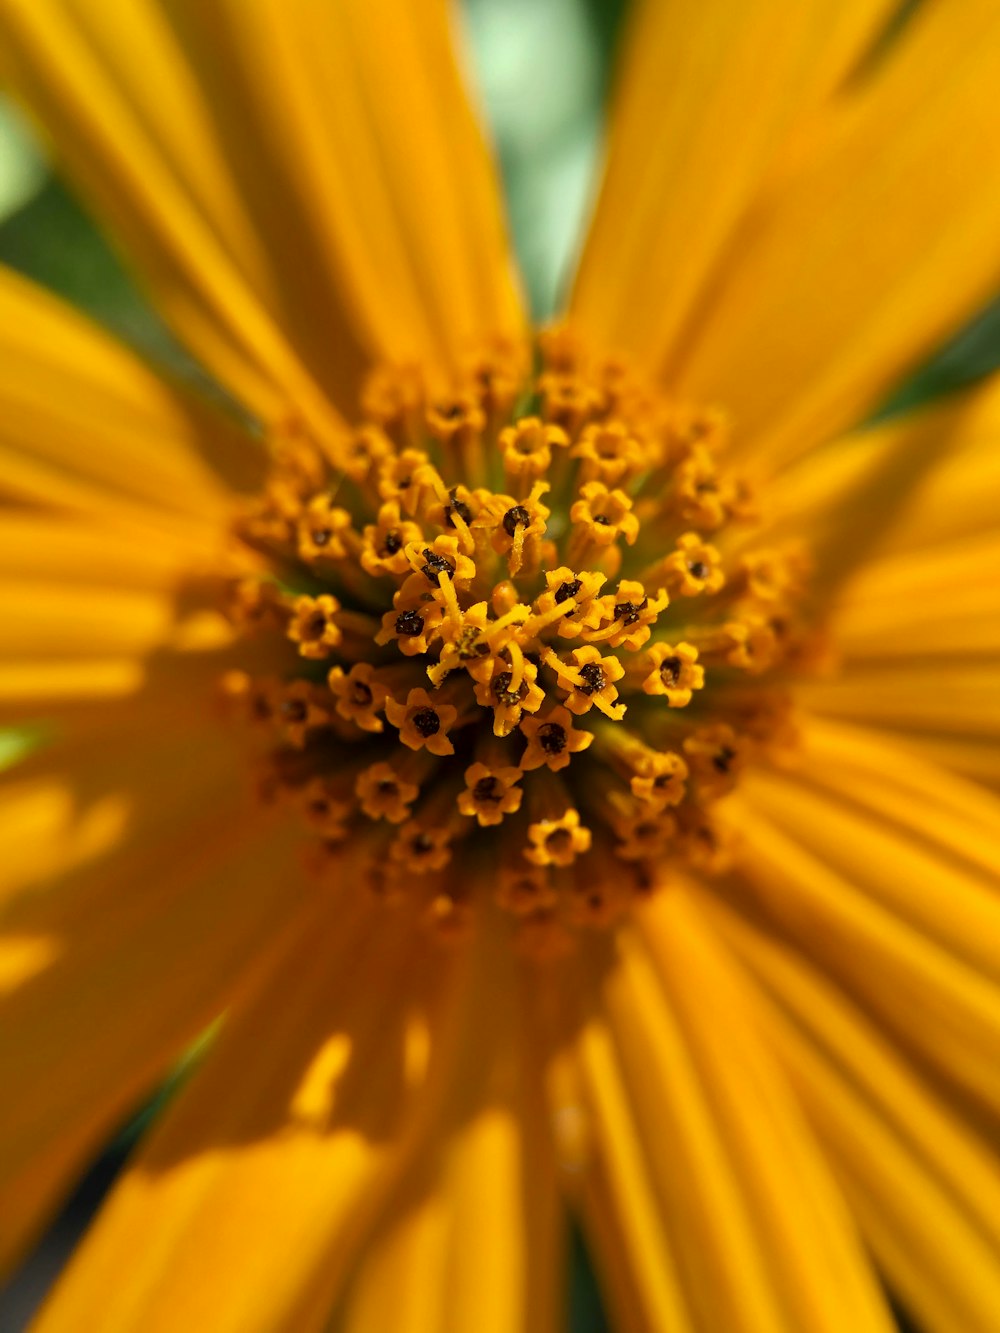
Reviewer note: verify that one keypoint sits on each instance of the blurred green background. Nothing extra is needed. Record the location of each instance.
(543, 68)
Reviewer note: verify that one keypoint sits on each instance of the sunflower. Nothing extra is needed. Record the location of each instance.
(561, 758)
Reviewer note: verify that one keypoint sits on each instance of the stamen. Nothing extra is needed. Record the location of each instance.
(397, 587)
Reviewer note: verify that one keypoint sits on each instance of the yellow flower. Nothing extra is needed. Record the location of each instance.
(721, 969)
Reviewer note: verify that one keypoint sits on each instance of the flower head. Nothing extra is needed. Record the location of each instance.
(551, 757)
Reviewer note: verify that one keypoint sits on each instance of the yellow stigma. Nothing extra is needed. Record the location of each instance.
(512, 640)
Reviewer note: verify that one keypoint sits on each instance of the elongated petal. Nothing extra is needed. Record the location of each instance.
(875, 243)
(43, 619)
(898, 952)
(471, 1240)
(918, 484)
(925, 1190)
(63, 549)
(88, 427)
(252, 1196)
(706, 96)
(43, 833)
(135, 950)
(369, 136)
(941, 600)
(132, 127)
(762, 1238)
(878, 775)
(303, 191)
(611, 1165)
(956, 700)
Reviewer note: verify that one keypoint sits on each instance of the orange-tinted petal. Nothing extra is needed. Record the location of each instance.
(254, 1192)
(925, 1189)
(303, 190)
(365, 130)
(761, 1236)
(137, 946)
(706, 96)
(874, 244)
(88, 427)
(900, 946)
(114, 92)
(471, 1240)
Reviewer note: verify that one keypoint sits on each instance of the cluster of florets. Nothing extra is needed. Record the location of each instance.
(513, 634)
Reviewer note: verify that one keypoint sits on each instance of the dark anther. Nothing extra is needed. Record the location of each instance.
(391, 543)
(567, 590)
(409, 625)
(552, 738)
(503, 692)
(426, 721)
(458, 507)
(723, 759)
(593, 675)
(317, 625)
(698, 569)
(486, 790)
(361, 693)
(436, 564)
(643, 879)
(293, 710)
(670, 671)
(603, 519)
(320, 808)
(470, 643)
(630, 611)
(421, 843)
(515, 517)
(321, 536)
(450, 411)
(386, 787)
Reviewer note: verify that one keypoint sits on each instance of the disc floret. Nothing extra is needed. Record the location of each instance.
(517, 623)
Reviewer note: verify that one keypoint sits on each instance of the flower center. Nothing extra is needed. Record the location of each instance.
(521, 640)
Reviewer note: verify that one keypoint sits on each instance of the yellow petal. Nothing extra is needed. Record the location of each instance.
(919, 482)
(144, 945)
(253, 1194)
(761, 1236)
(53, 621)
(869, 250)
(32, 689)
(471, 1240)
(706, 95)
(301, 191)
(63, 549)
(949, 699)
(616, 1177)
(87, 426)
(846, 913)
(977, 758)
(925, 1190)
(378, 163)
(879, 773)
(43, 833)
(134, 130)
(940, 601)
